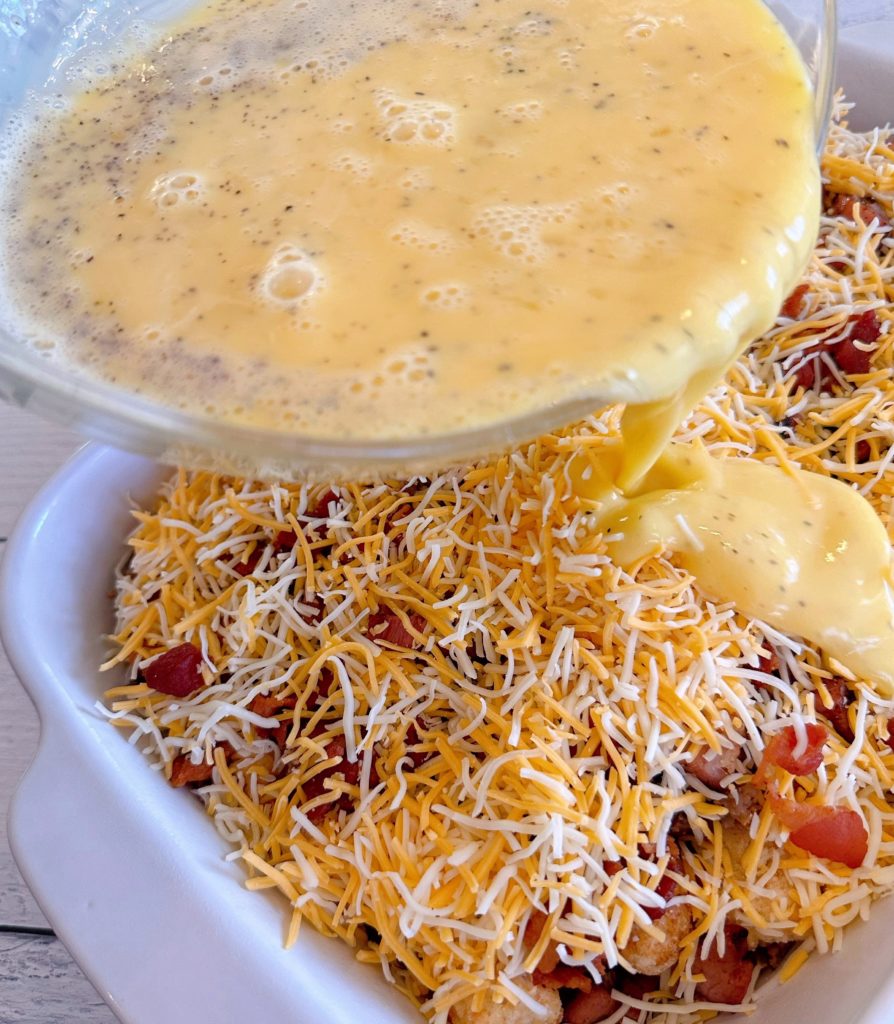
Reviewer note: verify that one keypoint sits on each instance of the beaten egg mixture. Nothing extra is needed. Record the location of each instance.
(369, 221)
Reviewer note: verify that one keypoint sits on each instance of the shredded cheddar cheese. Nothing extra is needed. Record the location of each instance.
(517, 714)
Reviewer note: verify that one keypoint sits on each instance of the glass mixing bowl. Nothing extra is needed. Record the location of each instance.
(38, 40)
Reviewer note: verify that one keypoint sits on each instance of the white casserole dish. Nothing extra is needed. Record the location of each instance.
(131, 872)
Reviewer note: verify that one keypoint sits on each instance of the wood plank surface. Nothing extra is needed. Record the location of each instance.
(18, 742)
(30, 452)
(41, 984)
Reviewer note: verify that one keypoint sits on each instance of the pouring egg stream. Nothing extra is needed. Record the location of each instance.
(380, 221)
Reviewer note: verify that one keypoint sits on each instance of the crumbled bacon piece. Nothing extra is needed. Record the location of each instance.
(591, 1007)
(773, 953)
(310, 608)
(285, 540)
(841, 836)
(322, 689)
(248, 565)
(184, 771)
(349, 771)
(418, 757)
(268, 705)
(833, 833)
(537, 921)
(841, 698)
(667, 886)
(862, 451)
(769, 663)
(385, 626)
(795, 302)
(636, 985)
(681, 828)
(564, 976)
(711, 768)
(851, 206)
(865, 329)
(280, 735)
(780, 751)
(805, 375)
(177, 672)
(320, 508)
(396, 514)
(849, 354)
(727, 977)
(392, 518)
(401, 511)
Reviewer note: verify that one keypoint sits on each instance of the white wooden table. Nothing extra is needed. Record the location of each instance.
(39, 982)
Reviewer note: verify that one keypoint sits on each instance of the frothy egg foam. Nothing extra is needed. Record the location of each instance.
(452, 295)
(290, 279)
(522, 232)
(180, 187)
(424, 122)
(416, 235)
(255, 217)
